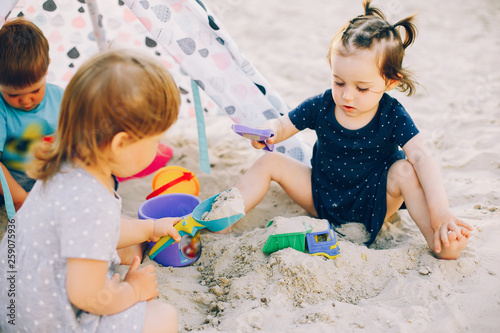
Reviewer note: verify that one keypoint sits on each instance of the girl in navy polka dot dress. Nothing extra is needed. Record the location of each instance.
(114, 112)
(359, 173)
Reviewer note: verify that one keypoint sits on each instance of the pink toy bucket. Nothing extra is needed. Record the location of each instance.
(188, 250)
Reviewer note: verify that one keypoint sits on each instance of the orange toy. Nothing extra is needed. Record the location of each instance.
(174, 179)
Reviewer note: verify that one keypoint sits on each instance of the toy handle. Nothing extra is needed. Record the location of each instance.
(185, 176)
(186, 226)
(269, 146)
(257, 134)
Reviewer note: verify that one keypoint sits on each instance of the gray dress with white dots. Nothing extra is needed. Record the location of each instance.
(349, 167)
(72, 216)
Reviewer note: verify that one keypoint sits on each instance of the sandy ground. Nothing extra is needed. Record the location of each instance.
(396, 285)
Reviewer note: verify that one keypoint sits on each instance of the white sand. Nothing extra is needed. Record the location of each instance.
(227, 203)
(282, 225)
(397, 285)
(286, 225)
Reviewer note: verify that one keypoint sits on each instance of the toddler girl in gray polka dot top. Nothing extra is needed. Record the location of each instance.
(114, 112)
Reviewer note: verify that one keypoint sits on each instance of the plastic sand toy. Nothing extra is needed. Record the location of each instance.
(188, 250)
(256, 134)
(303, 236)
(323, 243)
(280, 240)
(174, 179)
(191, 224)
(163, 155)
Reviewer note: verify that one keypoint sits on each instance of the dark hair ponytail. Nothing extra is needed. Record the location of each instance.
(372, 11)
(365, 31)
(410, 30)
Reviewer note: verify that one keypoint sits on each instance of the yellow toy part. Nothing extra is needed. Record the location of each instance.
(186, 226)
(174, 179)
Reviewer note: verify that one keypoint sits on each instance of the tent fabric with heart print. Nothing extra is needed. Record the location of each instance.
(185, 36)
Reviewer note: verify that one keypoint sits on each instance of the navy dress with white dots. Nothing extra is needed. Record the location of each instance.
(349, 167)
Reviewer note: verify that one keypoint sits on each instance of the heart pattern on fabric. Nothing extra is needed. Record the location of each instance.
(183, 34)
(162, 12)
(49, 5)
(187, 45)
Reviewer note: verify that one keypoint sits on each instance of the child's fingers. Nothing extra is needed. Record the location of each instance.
(453, 228)
(136, 262)
(149, 269)
(258, 144)
(155, 293)
(176, 220)
(437, 241)
(165, 226)
(144, 282)
(444, 236)
(115, 278)
(172, 232)
(464, 224)
(168, 220)
(452, 235)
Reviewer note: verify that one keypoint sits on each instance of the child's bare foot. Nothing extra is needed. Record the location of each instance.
(465, 232)
(456, 246)
(127, 254)
(453, 236)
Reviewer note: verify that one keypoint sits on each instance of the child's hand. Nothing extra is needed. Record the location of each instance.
(19, 203)
(268, 125)
(165, 226)
(143, 280)
(18, 197)
(261, 144)
(446, 224)
(281, 127)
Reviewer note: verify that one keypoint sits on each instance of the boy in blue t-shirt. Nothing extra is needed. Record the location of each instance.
(29, 107)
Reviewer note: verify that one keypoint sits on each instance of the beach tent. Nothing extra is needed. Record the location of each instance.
(183, 34)
(69, 28)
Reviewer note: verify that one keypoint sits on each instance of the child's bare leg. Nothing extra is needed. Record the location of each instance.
(127, 254)
(160, 317)
(403, 184)
(294, 177)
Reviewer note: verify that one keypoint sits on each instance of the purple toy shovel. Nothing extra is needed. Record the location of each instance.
(256, 134)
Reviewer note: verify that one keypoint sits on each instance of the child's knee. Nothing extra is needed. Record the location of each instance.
(160, 317)
(170, 317)
(170, 313)
(268, 159)
(402, 172)
(274, 161)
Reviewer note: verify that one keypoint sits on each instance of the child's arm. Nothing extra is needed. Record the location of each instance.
(16, 191)
(88, 288)
(429, 175)
(134, 231)
(282, 127)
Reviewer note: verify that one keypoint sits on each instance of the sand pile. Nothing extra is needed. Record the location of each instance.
(227, 203)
